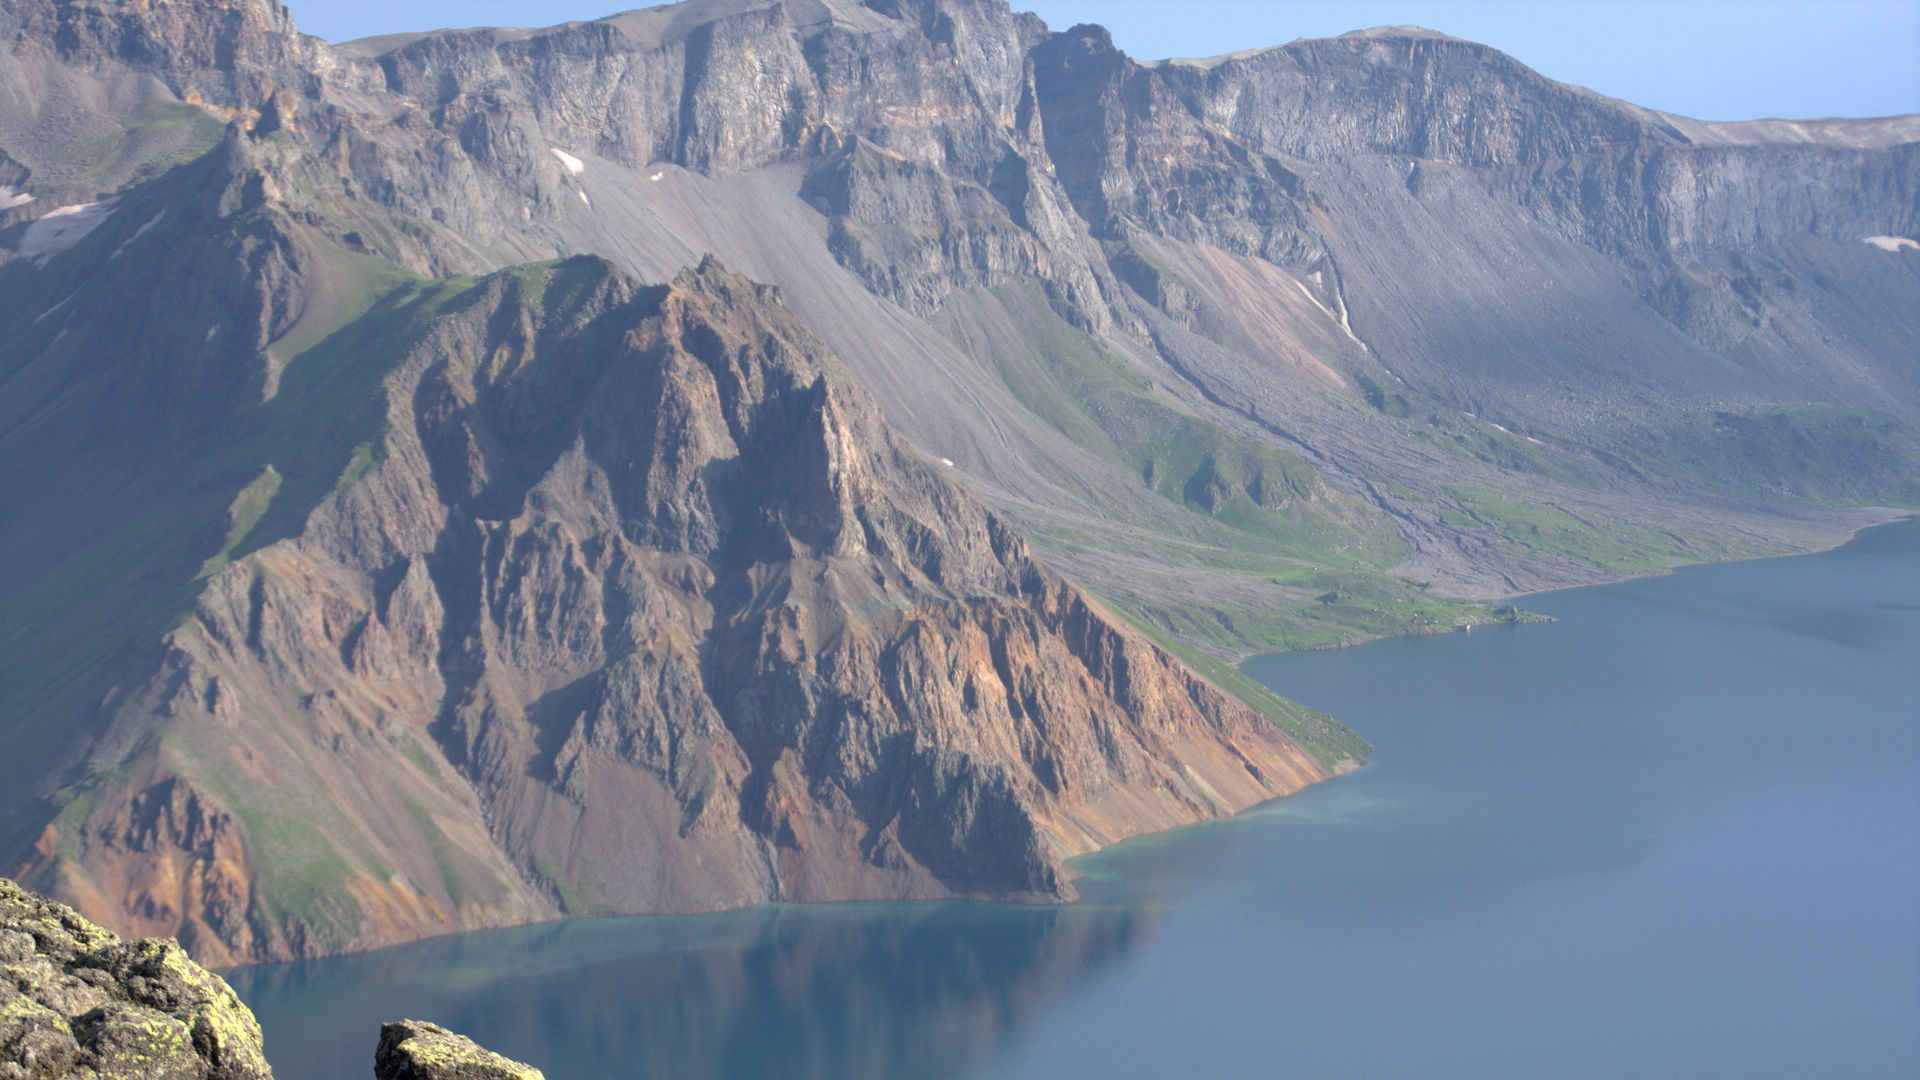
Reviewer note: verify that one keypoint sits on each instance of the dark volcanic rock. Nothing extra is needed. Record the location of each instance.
(416, 1050)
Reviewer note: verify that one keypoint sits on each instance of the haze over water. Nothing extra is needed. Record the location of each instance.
(1671, 834)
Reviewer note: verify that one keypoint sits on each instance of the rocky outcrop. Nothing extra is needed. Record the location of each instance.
(415, 1050)
(77, 1003)
(229, 54)
(637, 570)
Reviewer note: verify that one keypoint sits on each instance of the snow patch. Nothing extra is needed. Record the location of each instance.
(947, 461)
(1893, 243)
(1208, 63)
(61, 229)
(10, 198)
(1339, 316)
(656, 177)
(38, 319)
(137, 234)
(574, 165)
(584, 199)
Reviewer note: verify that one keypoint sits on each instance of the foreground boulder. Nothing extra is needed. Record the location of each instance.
(76, 1001)
(416, 1050)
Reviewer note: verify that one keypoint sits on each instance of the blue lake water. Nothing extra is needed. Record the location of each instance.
(1671, 834)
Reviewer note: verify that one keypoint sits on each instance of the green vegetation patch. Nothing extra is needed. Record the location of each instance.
(248, 508)
(157, 137)
(1273, 499)
(1812, 453)
(1463, 435)
(1332, 745)
(298, 844)
(1519, 526)
(303, 876)
(574, 898)
(446, 858)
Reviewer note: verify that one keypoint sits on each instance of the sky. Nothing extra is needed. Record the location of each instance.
(1712, 59)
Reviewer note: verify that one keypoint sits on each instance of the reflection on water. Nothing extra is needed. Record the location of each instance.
(843, 991)
(1672, 834)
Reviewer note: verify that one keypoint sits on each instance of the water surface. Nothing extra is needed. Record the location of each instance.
(1671, 834)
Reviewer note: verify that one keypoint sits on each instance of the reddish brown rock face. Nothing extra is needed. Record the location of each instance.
(641, 609)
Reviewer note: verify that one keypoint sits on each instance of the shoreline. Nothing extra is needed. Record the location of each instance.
(1159, 836)
(1881, 518)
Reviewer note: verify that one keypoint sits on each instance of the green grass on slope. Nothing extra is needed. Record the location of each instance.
(248, 508)
(157, 136)
(1331, 744)
(274, 463)
(1253, 509)
(1463, 435)
(1824, 454)
(1103, 404)
(1348, 609)
(1520, 527)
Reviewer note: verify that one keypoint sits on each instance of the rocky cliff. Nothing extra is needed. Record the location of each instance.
(627, 602)
(385, 559)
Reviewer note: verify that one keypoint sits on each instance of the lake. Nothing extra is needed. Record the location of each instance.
(1672, 833)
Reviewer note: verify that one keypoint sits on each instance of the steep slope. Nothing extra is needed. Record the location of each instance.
(1491, 311)
(630, 604)
(365, 576)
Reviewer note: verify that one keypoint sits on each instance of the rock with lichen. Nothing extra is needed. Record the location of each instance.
(76, 1001)
(416, 1050)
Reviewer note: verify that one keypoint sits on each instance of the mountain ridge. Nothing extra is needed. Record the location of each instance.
(311, 375)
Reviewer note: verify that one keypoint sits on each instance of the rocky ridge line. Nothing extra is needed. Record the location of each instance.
(626, 569)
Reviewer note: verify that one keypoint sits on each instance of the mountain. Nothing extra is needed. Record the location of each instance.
(383, 558)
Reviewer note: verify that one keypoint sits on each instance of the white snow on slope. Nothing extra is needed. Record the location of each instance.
(10, 198)
(61, 229)
(574, 165)
(137, 234)
(1893, 243)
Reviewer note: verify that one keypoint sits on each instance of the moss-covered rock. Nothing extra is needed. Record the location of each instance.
(416, 1050)
(76, 1001)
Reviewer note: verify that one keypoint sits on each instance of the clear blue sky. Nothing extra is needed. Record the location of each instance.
(1714, 59)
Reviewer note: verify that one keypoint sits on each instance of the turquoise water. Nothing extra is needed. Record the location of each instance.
(1672, 834)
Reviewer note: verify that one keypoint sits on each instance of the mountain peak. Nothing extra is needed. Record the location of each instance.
(1402, 30)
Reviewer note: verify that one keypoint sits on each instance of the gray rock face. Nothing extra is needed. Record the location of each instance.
(415, 1050)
